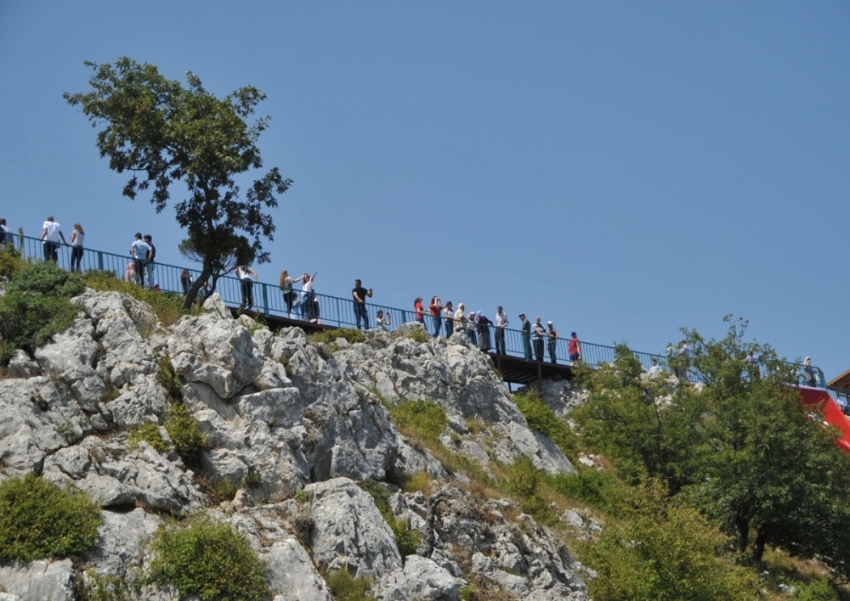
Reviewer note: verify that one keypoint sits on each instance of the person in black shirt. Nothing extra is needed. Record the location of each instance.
(359, 294)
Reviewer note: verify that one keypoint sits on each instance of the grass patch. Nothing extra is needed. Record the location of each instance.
(345, 587)
(418, 482)
(207, 560)
(38, 520)
(418, 335)
(36, 305)
(149, 433)
(10, 264)
(540, 417)
(352, 335)
(103, 588)
(427, 420)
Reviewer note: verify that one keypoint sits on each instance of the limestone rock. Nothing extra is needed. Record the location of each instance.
(421, 578)
(349, 532)
(39, 580)
(292, 574)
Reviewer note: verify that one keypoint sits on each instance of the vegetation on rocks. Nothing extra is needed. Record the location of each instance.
(167, 306)
(184, 431)
(345, 587)
(407, 539)
(149, 433)
(38, 520)
(352, 335)
(540, 417)
(208, 560)
(36, 306)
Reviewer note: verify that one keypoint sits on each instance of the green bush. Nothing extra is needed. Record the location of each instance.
(540, 417)
(816, 590)
(168, 379)
(149, 433)
(103, 588)
(426, 419)
(330, 336)
(601, 490)
(208, 560)
(36, 306)
(345, 587)
(419, 335)
(189, 441)
(38, 520)
(10, 264)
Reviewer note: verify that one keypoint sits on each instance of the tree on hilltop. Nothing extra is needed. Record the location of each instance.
(164, 133)
(742, 448)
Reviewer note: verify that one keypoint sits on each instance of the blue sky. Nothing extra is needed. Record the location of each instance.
(621, 168)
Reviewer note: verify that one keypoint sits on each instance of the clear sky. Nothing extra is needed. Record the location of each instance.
(622, 168)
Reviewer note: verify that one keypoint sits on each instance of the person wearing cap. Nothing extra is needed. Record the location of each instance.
(539, 333)
(470, 328)
(552, 335)
(526, 336)
(574, 348)
(50, 235)
(501, 324)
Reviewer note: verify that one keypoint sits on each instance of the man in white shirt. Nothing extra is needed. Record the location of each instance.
(501, 324)
(50, 236)
(140, 251)
(655, 369)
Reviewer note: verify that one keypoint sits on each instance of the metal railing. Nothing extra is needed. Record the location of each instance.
(331, 310)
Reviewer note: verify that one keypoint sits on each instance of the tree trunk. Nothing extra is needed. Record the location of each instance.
(758, 548)
(742, 534)
(206, 272)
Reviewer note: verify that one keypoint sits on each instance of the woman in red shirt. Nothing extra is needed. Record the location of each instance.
(420, 312)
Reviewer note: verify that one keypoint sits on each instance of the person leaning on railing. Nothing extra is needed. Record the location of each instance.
(7, 240)
(289, 295)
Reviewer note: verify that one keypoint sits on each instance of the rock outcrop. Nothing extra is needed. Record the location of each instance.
(282, 415)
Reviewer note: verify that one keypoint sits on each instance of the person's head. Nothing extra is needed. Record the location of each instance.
(522, 316)
(550, 324)
(498, 309)
(138, 234)
(808, 361)
(147, 238)
(184, 273)
(448, 304)
(461, 307)
(306, 278)
(434, 299)
(669, 344)
(78, 227)
(655, 361)
(50, 218)
(2, 221)
(380, 314)
(683, 343)
(417, 300)
(471, 315)
(284, 274)
(573, 335)
(537, 319)
(357, 283)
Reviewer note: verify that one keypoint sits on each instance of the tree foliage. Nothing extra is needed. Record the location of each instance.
(163, 133)
(741, 448)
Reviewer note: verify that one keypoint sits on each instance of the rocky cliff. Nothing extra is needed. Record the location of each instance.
(298, 427)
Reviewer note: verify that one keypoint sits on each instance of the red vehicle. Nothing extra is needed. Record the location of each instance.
(832, 413)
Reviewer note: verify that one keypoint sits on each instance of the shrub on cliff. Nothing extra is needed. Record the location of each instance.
(36, 306)
(38, 520)
(208, 560)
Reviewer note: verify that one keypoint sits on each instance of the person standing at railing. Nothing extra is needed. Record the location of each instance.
(50, 236)
(552, 335)
(655, 369)
(483, 322)
(77, 237)
(139, 250)
(436, 309)
(307, 302)
(809, 373)
(539, 333)
(448, 317)
(501, 324)
(419, 311)
(526, 336)
(682, 361)
(574, 349)
(285, 284)
(7, 240)
(359, 295)
(150, 266)
(186, 280)
(752, 361)
(671, 357)
(471, 327)
(246, 284)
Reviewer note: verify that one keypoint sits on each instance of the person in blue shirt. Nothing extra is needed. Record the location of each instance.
(140, 251)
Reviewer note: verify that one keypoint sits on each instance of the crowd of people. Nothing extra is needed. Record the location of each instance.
(443, 319)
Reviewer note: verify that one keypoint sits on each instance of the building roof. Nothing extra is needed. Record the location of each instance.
(842, 381)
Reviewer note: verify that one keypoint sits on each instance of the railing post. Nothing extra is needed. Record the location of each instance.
(403, 316)
(265, 301)
(100, 260)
